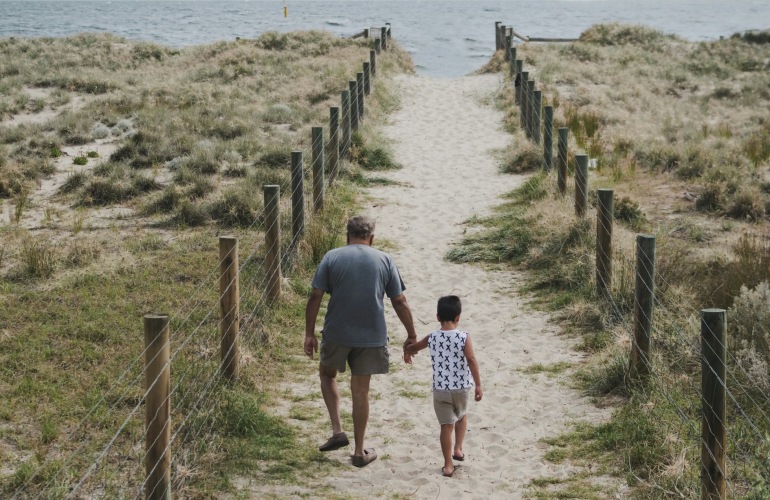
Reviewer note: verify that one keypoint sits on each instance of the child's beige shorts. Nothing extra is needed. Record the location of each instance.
(452, 405)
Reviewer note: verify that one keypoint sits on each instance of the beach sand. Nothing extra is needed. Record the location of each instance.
(444, 136)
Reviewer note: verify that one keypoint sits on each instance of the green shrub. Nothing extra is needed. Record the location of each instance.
(711, 198)
(74, 181)
(526, 157)
(190, 214)
(757, 146)
(236, 207)
(39, 258)
(106, 192)
(80, 160)
(747, 204)
(167, 202)
(276, 158)
(625, 34)
(629, 212)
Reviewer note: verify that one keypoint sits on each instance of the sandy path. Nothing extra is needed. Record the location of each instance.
(443, 136)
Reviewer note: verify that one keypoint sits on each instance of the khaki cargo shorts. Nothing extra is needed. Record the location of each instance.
(452, 405)
(362, 360)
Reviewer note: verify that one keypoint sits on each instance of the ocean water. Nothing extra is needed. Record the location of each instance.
(446, 38)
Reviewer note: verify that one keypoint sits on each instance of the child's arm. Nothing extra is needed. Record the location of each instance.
(414, 348)
(474, 367)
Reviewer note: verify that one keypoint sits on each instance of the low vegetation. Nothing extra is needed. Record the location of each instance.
(678, 131)
(113, 202)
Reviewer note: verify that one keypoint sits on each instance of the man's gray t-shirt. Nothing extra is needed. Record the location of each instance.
(357, 277)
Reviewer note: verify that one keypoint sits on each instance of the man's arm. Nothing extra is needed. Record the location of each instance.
(311, 314)
(401, 306)
(470, 356)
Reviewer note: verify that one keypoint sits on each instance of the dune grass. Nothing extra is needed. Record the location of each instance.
(135, 231)
(678, 130)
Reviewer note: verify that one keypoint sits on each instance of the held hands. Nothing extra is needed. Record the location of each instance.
(311, 345)
(409, 350)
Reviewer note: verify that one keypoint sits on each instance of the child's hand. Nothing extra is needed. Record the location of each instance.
(407, 357)
(478, 393)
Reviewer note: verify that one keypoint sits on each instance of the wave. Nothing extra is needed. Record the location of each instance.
(337, 22)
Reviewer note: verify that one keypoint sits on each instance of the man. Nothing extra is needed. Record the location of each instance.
(357, 277)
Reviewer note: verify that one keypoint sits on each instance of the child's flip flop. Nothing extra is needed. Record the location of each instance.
(459, 458)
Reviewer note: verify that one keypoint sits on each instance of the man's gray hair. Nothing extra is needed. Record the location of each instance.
(360, 226)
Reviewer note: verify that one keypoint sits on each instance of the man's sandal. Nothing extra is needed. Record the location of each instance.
(369, 457)
(335, 442)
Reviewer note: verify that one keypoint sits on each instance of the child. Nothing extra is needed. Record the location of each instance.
(451, 353)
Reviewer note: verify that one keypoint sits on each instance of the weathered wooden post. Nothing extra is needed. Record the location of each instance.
(581, 185)
(604, 221)
(333, 148)
(367, 78)
(317, 135)
(561, 159)
(644, 298)
(537, 106)
(373, 62)
(384, 38)
(508, 43)
(517, 81)
(497, 35)
(378, 45)
(157, 383)
(229, 305)
(346, 124)
(353, 85)
(273, 241)
(390, 31)
(548, 138)
(512, 60)
(713, 425)
(530, 107)
(522, 89)
(360, 94)
(502, 37)
(297, 197)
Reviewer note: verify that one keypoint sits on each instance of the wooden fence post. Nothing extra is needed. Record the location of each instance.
(561, 159)
(581, 185)
(373, 62)
(378, 45)
(317, 138)
(644, 297)
(604, 221)
(384, 38)
(273, 241)
(353, 104)
(517, 81)
(497, 35)
(713, 425)
(537, 106)
(297, 197)
(530, 107)
(512, 58)
(360, 94)
(353, 85)
(367, 78)
(346, 125)
(333, 149)
(548, 138)
(389, 31)
(157, 383)
(522, 90)
(229, 305)
(508, 43)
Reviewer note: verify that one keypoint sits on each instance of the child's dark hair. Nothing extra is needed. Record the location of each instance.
(449, 308)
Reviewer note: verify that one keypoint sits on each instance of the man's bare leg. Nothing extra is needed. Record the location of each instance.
(331, 396)
(359, 388)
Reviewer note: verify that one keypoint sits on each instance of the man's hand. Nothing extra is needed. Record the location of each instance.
(311, 345)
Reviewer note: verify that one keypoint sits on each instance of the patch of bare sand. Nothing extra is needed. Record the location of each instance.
(444, 135)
